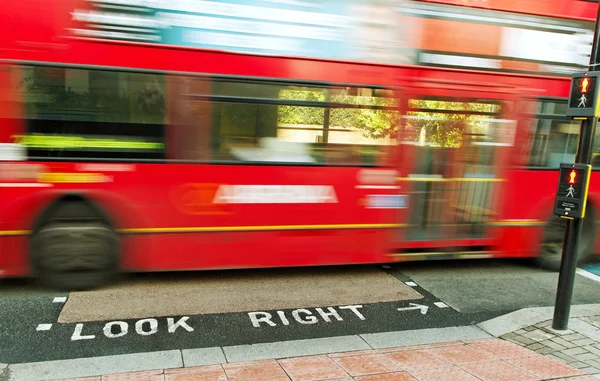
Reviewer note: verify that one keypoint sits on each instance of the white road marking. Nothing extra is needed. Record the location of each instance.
(304, 316)
(588, 274)
(77, 334)
(411, 284)
(415, 306)
(441, 304)
(43, 327)
(59, 299)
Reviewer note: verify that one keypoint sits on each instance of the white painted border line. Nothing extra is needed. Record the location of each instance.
(43, 327)
(411, 284)
(588, 274)
(59, 299)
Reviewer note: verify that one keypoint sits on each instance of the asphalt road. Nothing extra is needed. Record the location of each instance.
(443, 294)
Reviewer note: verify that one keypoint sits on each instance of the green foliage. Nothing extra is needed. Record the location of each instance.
(146, 105)
(300, 114)
(374, 123)
(445, 129)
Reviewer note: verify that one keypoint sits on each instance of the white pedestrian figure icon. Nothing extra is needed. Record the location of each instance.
(582, 101)
(571, 190)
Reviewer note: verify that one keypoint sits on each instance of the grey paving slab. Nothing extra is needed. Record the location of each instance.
(423, 336)
(93, 366)
(294, 348)
(203, 356)
(585, 329)
(512, 322)
(585, 310)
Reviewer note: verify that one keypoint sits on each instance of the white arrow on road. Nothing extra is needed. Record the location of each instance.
(415, 306)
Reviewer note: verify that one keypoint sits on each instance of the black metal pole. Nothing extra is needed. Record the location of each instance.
(568, 265)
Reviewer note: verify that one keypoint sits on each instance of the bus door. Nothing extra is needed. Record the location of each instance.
(454, 153)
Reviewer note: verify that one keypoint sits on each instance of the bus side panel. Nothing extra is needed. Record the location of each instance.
(532, 195)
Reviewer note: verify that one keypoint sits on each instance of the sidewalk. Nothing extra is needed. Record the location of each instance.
(484, 359)
(516, 346)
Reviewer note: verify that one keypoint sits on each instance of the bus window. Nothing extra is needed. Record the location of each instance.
(262, 121)
(555, 136)
(93, 114)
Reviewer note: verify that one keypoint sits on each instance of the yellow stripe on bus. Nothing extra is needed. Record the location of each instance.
(8, 233)
(201, 229)
(450, 179)
(257, 228)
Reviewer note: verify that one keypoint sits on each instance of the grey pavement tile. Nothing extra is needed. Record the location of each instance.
(557, 332)
(586, 356)
(566, 344)
(545, 323)
(545, 351)
(585, 310)
(294, 348)
(592, 349)
(563, 357)
(93, 366)
(574, 351)
(580, 364)
(536, 346)
(513, 321)
(591, 370)
(573, 337)
(584, 342)
(203, 356)
(538, 335)
(524, 340)
(423, 336)
(585, 329)
(595, 363)
(553, 344)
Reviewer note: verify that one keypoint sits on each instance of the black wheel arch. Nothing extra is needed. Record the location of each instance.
(71, 197)
(74, 208)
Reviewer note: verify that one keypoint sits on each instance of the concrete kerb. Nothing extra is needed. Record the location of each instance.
(95, 366)
(530, 316)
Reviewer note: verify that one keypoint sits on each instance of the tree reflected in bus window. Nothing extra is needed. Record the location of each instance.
(93, 114)
(256, 121)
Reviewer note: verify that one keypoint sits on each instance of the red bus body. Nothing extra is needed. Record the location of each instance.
(166, 213)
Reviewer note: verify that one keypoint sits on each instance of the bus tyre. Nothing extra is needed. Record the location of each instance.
(74, 255)
(552, 242)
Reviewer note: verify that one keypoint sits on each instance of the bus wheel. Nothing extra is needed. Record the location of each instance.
(74, 254)
(552, 242)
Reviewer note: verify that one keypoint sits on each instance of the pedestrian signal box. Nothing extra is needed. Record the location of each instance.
(573, 185)
(583, 99)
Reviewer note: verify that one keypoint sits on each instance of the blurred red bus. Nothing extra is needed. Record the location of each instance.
(117, 154)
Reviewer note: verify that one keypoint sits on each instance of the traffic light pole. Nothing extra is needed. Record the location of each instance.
(566, 278)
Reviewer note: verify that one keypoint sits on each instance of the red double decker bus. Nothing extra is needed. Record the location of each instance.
(147, 135)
